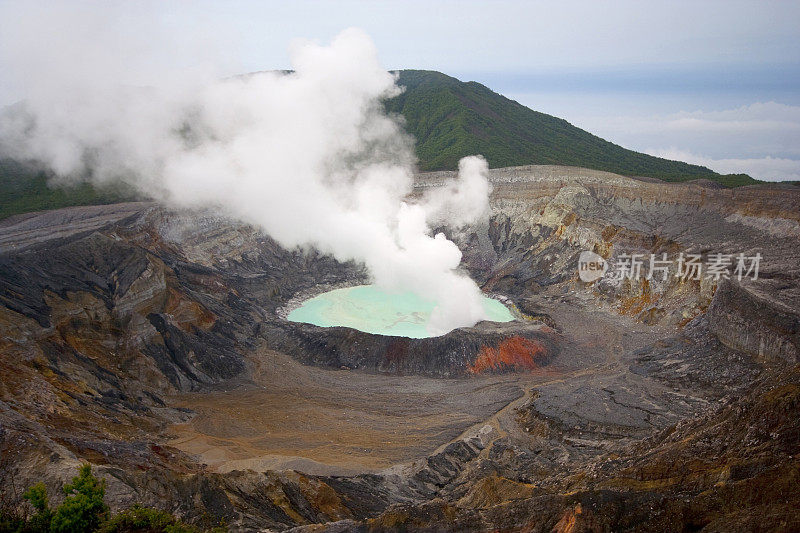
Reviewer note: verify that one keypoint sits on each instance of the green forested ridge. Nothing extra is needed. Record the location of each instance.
(450, 119)
(24, 188)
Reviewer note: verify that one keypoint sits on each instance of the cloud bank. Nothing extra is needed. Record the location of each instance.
(310, 157)
(760, 139)
(765, 168)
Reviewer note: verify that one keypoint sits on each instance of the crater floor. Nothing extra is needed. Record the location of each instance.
(152, 344)
(325, 421)
(322, 421)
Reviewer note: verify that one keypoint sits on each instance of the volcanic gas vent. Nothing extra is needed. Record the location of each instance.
(371, 309)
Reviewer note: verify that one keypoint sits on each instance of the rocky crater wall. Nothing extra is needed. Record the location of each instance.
(753, 323)
(525, 345)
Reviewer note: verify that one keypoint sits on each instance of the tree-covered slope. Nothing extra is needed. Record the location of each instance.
(24, 189)
(451, 119)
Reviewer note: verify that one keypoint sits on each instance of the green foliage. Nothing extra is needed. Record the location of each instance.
(84, 511)
(451, 119)
(14, 520)
(24, 189)
(37, 495)
(140, 519)
(83, 508)
(42, 520)
(736, 180)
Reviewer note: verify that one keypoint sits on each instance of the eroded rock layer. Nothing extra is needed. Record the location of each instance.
(152, 344)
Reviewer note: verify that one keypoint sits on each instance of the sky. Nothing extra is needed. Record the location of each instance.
(715, 83)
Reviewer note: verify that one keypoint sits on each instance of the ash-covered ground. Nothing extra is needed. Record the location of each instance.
(153, 344)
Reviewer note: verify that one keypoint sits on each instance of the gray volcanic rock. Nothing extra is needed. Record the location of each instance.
(750, 320)
(635, 404)
(449, 355)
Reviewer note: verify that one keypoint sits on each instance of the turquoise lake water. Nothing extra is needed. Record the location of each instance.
(368, 308)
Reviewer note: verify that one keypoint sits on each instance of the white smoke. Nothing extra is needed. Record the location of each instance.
(308, 156)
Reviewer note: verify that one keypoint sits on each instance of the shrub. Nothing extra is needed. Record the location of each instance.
(84, 511)
(83, 508)
(141, 519)
(43, 518)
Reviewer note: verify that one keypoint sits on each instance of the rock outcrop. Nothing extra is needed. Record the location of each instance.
(621, 404)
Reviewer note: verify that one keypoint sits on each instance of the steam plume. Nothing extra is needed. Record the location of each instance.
(309, 156)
